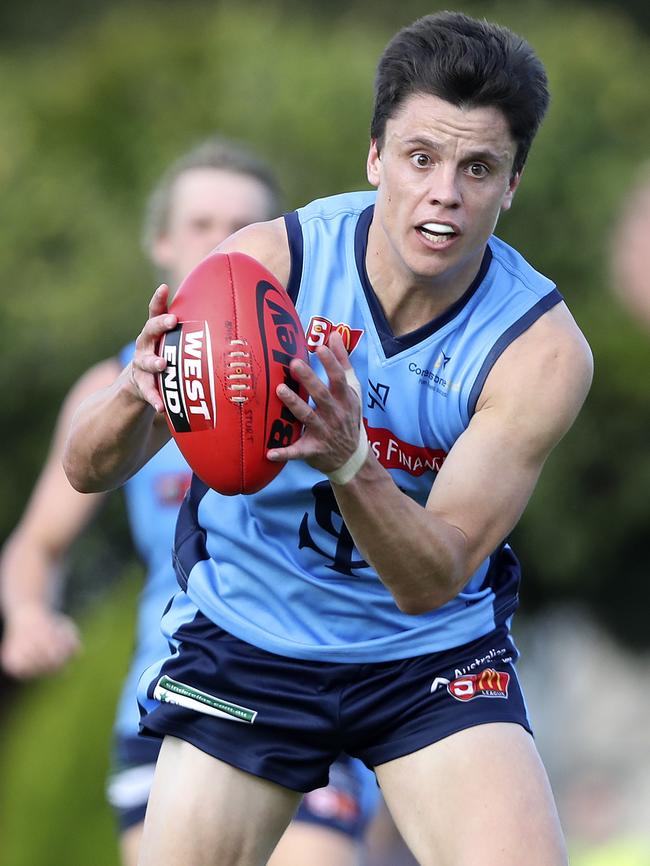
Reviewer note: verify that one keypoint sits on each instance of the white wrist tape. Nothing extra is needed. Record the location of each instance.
(354, 463)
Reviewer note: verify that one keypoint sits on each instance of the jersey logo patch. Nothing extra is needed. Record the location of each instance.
(394, 453)
(436, 378)
(320, 329)
(486, 684)
(377, 395)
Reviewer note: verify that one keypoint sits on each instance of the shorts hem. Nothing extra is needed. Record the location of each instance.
(151, 727)
(421, 739)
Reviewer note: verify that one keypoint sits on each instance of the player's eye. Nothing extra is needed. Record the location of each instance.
(420, 160)
(478, 169)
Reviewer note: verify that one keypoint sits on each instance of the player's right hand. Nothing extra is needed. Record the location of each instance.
(37, 641)
(146, 363)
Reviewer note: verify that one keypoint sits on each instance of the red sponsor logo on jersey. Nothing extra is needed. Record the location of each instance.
(171, 487)
(395, 453)
(320, 330)
(486, 684)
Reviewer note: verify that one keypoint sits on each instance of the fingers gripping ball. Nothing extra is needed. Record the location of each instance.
(237, 333)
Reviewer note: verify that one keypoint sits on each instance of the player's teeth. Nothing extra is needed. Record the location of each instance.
(438, 228)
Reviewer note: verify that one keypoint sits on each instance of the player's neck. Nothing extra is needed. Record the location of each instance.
(410, 300)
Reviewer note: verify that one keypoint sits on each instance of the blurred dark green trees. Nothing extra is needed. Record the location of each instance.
(87, 123)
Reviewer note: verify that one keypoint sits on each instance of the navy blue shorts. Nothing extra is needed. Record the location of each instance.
(287, 719)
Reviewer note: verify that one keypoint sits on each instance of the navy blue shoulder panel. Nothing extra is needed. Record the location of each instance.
(294, 235)
(515, 330)
(189, 540)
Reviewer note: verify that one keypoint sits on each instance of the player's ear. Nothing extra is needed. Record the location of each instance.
(513, 183)
(374, 162)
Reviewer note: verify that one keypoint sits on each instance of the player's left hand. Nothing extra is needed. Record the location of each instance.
(331, 428)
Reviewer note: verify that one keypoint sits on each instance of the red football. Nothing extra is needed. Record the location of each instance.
(237, 333)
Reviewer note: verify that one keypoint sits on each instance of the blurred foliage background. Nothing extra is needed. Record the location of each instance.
(97, 98)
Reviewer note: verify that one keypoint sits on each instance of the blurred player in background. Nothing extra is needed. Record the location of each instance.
(631, 250)
(211, 192)
(596, 797)
(364, 597)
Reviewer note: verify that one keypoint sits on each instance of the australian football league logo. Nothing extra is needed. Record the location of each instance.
(489, 683)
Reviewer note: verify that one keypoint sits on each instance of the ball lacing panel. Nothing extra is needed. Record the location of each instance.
(240, 373)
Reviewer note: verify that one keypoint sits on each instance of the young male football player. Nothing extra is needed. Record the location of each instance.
(366, 602)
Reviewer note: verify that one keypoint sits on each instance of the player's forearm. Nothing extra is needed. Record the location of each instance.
(111, 436)
(420, 558)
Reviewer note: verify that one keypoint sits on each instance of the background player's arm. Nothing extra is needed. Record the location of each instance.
(37, 638)
(426, 555)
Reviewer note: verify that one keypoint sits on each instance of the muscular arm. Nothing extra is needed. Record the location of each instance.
(37, 638)
(426, 555)
(117, 430)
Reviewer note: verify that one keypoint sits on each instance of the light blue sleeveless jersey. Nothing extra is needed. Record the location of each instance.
(153, 497)
(279, 568)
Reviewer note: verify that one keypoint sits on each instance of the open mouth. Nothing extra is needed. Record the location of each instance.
(437, 233)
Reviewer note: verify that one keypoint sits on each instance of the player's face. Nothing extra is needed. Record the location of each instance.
(206, 206)
(443, 176)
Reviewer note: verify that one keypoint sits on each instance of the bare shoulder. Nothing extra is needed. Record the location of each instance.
(542, 379)
(267, 242)
(100, 375)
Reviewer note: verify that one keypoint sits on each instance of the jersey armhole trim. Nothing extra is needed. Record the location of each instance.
(296, 247)
(515, 330)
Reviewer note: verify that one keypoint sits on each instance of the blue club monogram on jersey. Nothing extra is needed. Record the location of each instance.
(327, 515)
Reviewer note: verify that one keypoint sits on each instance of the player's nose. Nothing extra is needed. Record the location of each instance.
(444, 188)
